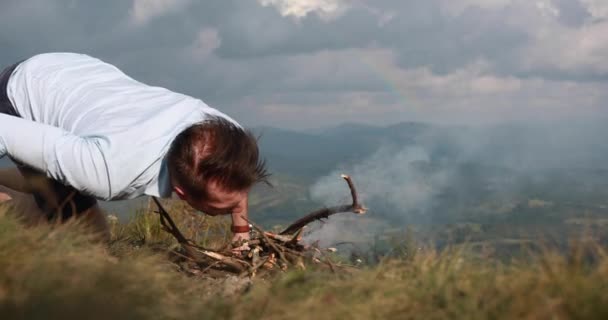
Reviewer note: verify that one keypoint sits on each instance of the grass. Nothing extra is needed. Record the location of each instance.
(145, 230)
(55, 273)
(60, 273)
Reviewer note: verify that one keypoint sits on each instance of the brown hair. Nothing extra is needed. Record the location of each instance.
(219, 150)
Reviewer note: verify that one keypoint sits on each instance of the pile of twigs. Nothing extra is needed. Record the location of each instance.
(264, 251)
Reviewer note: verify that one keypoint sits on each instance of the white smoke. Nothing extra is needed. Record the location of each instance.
(405, 184)
(347, 229)
(387, 174)
(391, 176)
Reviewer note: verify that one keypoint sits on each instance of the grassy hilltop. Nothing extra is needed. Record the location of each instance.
(59, 273)
(473, 250)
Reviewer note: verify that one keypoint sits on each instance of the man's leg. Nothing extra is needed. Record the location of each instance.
(49, 200)
(4, 197)
(13, 192)
(95, 218)
(12, 178)
(21, 205)
(24, 207)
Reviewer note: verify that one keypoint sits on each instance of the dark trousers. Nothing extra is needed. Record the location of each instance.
(58, 201)
(6, 106)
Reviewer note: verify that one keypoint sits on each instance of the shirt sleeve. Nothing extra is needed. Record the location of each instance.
(71, 159)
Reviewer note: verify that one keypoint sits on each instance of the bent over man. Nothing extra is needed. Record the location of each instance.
(79, 130)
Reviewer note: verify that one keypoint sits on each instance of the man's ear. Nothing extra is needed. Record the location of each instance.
(180, 192)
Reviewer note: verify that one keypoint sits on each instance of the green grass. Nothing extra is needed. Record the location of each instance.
(60, 273)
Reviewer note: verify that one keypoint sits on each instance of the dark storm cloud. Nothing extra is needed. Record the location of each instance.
(418, 31)
(242, 56)
(261, 31)
(572, 12)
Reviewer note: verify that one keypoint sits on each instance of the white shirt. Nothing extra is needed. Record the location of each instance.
(87, 124)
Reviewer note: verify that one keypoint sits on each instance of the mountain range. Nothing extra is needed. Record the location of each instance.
(417, 172)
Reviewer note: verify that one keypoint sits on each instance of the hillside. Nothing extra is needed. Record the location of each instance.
(62, 274)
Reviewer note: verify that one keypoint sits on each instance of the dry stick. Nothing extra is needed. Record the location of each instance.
(326, 260)
(330, 264)
(238, 264)
(234, 263)
(169, 226)
(278, 237)
(211, 266)
(255, 267)
(294, 252)
(188, 246)
(68, 199)
(324, 213)
(269, 241)
(254, 242)
(187, 257)
(172, 228)
(296, 237)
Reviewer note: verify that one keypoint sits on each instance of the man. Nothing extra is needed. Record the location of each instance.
(79, 129)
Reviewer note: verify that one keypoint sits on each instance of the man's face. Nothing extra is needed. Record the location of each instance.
(219, 201)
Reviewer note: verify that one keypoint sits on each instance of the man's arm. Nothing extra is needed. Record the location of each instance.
(71, 159)
(239, 216)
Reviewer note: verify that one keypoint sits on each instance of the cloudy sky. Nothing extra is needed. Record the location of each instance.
(314, 63)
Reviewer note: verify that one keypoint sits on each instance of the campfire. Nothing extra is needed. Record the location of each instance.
(263, 252)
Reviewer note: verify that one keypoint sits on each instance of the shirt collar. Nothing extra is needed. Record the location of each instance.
(161, 186)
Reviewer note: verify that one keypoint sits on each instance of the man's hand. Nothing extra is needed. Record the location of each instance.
(239, 242)
(4, 197)
(240, 237)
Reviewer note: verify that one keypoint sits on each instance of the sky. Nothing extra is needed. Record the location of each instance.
(303, 64)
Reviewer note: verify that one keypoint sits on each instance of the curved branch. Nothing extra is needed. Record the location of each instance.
(324, 213)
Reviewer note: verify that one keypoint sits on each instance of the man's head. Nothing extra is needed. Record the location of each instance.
(213, 164)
